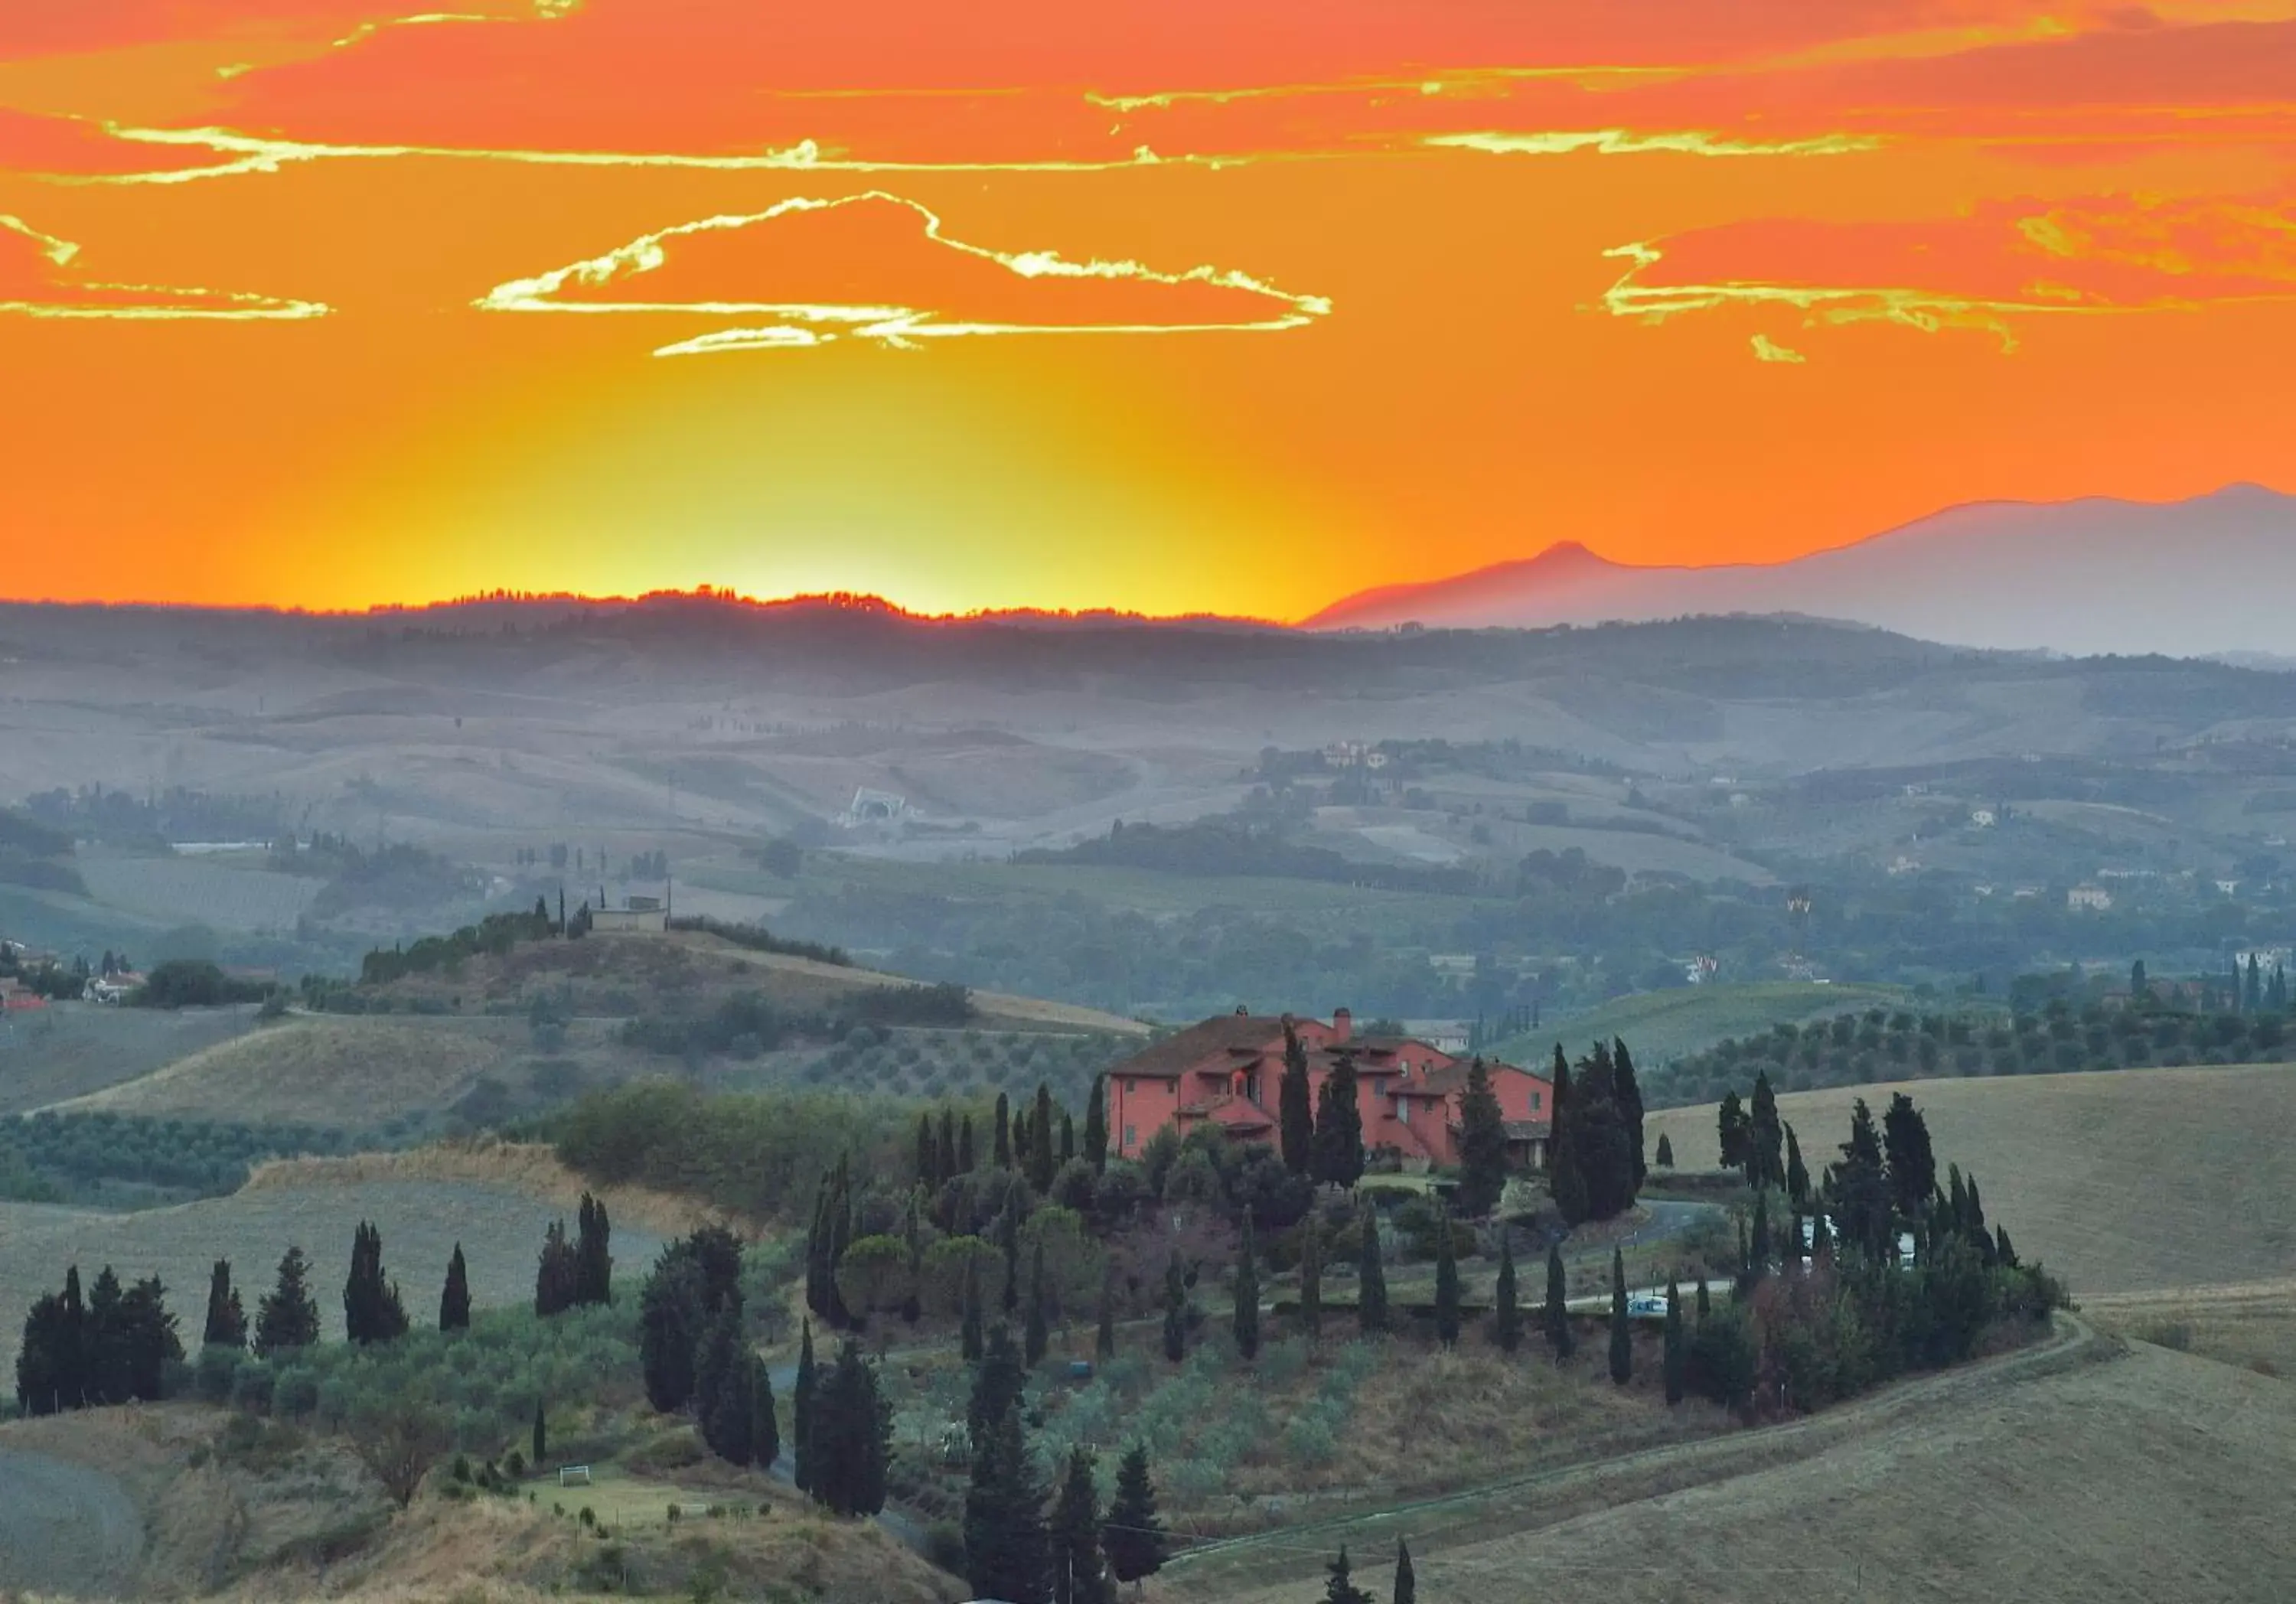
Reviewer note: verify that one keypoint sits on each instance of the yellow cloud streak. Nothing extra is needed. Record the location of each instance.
(1626, 142)
(257, 154)
(896, 326)
(1431, 82)
(234, 306)
(1767, 349)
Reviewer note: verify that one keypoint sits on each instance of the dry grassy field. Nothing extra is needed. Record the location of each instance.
(2139, 1478)
(71, 1049)
(498, 1223)
(2135, 1180)
(354, 1073)
(2252, 1325)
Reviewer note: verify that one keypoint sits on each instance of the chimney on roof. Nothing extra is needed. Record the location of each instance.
(1242, 1011)
(1343, 1024)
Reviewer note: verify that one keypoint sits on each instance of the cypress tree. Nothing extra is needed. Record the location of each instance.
(1506, 1329)
(1176, 1311)
(929, 1175)
(1339, 1587)
(1034, 1334)
(1407, 1582)
(593, 1256)
(1559, 1334)
(1311, 1277)
(1003, 1151)
(557, 1272)
(816, 1250)
(1005, 1541)
(1132, 1537)
(726, 1406)
(1860, 1187)
(287, 1317)
(1008, 1237)
(1337, 1150)
(1103, 1342)
(2003, 1252)
(1765, 1136)
(1665, 1159)
(945, 1153)
(540, 1438)
(1021, 1139)
(1068, 1138)
(227, 1320)
(1630, 1105)
(1797, 1172)
(1566, 1179)
(1079, 1572)
(1095, 1126)
(849, 1437)
(1622, 1334)
(1676, 1355)
(965, 1163)
(1447, 1285)
(998, 1380)
(454, 1298)
(1705, 1300)
(1247, 1296)
(1482, 1145)
(1730, 1128)
(801, 1400)
(1371, 1278)
(1906, 1150)
(1295, 1113)
(765, 1421)
(371, 1310)
(1758, 1252)
(1042, 1161)
(970, 1336)
(672, 1315)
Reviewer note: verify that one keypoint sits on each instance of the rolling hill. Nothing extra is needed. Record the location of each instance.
(1662, 1025)
(2097, 1474)
(2134, 1181)
(2087, 578)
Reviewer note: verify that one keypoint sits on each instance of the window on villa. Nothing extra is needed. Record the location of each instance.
(1534, 1103)
(1403, 1110)
(1131, 1135)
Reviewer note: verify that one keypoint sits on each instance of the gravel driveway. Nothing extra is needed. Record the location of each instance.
(62, 1528)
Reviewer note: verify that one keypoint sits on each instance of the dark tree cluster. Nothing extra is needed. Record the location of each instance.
(373, 1311)
(1021, 1547)
(697, 1278)
(579, 1273)
(112, 1347)
(1829, 1302)
(1594, 1142)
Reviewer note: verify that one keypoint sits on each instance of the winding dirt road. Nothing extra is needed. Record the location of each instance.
(64, 1528)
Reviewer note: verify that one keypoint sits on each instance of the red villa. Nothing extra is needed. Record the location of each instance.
(1227, 1070)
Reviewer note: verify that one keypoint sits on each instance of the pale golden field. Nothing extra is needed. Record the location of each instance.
(2126, 1181)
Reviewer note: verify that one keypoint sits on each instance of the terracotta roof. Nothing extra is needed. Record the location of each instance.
(1216, 1038)
(1455, 1078)
(1524, 1130)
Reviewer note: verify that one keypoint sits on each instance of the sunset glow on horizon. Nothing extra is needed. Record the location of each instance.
(1157, 305)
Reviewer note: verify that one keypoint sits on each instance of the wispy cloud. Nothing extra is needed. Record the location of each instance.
(598, 286)
(2001, 262)
(249, 153)
(1627, 142)
(34, 283)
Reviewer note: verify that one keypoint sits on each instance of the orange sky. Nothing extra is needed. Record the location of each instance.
(1168, 305)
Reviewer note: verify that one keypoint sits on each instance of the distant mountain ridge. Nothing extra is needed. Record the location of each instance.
(2208, 575)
